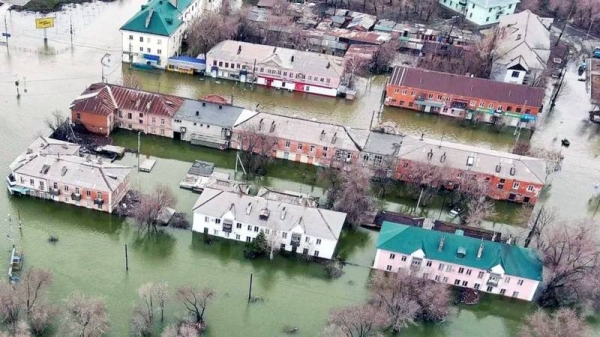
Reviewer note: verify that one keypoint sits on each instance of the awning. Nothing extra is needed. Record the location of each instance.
(152, 57)
(430, 103)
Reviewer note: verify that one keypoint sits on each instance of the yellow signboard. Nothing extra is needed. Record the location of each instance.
(43, 23)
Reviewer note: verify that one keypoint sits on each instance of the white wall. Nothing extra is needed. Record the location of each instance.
(481, 15)
(325, 248)
(191, 127)
(508, 78)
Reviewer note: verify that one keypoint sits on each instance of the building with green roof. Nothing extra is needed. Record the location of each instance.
(155, 32)
(455, 259)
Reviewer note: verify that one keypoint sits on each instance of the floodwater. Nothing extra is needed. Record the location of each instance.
(90, 253)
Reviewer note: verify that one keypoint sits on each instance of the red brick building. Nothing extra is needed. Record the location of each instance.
(463, 96)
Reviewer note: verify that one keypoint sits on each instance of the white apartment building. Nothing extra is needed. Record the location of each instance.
(155, 33)
(291, 227)
(481, 12)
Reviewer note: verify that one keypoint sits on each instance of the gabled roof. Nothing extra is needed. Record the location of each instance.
(514, 260)
(315, 222)
(523, 35)
(158, 17)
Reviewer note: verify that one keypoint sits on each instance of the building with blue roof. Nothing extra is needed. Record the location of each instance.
(455, 259)
(155, 32)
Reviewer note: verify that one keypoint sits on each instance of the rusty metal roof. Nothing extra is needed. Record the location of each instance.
(467, 86)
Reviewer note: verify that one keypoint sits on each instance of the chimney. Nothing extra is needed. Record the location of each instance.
(513, 170)
(509, 241)
(272, 126)
(249, 208)
(498, 168)
(283, 214)
(63, 171)
(480, 251)
(328, 65)
(260, 124)
(430, 154)
(441, 245)
(334, 138)
(443, 158)
(239, 49)
(274, 50)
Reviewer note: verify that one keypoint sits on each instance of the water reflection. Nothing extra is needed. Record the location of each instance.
(155, 245)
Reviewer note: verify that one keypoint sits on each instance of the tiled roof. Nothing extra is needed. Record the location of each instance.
(158, 17)
(316, 222)
(467, 86)
(515, 260)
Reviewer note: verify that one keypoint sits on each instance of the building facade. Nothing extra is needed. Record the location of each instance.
(54, 170)
(481, 12)
(464, 97)
(154, 34)
(458, 260)
(287, 226)
(276, 67)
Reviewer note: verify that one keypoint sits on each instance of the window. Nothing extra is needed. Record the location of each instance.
(237, 236)
(465, 283)
(509, 108)
(162, 122)
(66, 188)
(141, 39)
(520, 282)
(428, 264)
(159, 41)
(31, 182)
(392, 256)
(481, 104)
(518, 110)
(448, 268)
(312, 148)
(515, 294)
(78, 116)
(404, 91)
(149, 50)
(287, 144)
(316, 253)
(141, 121)
(491, 105)
(216, 232)
(249, 227)
(514, 74)
(473, 6)
(256, 228)
(502, 291)
(530, 188)
(318, 241)
(131, 37)
(441, 267)
(217, 221)
(307, 239)
(473, 103)
(129, 115)
(267, 231)
(226, 64)
(437, 278)
(388, 268)
(403, 258)
(499, 107)
(142, 49)
(510, 6)
(159, 51)
(490, 10)
(480, 275)
(468, 271)
(300, 146)
(456, 282)
(238, 225)
(476, 286)
(461, 270)
(439, 97)
(445, 280)
(430, 96)
(305, 251)
(284, 235)
(487, 19)
(515, 185)
(76, 188)
(248, 239)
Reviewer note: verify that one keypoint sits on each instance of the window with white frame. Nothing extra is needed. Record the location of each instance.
(392, 256)
(403, 258)
(445, 279)
(530, 188)
(284, 235)
(388, 268)
(428, 264)
(520, 282)
(515, 185)
(480, 275)
(318, 241)
(515, 294)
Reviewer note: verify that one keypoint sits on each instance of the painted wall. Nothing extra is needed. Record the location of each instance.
(246, 232)
(159, 125)
(480, 15)
(93, 122)
(457, 275)
(204, 129)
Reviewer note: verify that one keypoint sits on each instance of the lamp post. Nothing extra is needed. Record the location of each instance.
(105, 62)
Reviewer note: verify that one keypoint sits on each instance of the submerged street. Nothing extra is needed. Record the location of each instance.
(90, 253)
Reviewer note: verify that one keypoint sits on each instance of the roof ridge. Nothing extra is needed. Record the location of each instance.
(326, 224)
(209, 199)
(104, 178)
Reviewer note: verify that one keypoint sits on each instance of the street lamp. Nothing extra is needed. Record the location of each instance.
(105, 62)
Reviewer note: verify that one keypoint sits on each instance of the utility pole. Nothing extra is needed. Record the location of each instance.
(533, 228)
(139, 149)
(587, 36)
(24, 84)
(126, 259)
(250, 290)
(104, 62)
(6, 34)
(71, 29)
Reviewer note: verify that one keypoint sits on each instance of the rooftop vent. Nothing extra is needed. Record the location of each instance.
(518, 37)
(220, 107)
(292, 58)
(283, 214)
(470, 160)
(45, 169)
(480, 251)
(443, 158)
(334, 138)
(322, 135)
(498, 168)
(328, 65)
(264, 214)
(63, 171)
(99, 160)
(274, 50)
(29, 151)
(169, 21)
(459, 232)
(461, 252)
(441, 244)
(430, 154)
(260, 124)
(272, 126)
(197, 113)
(239, 49)
(249, 208)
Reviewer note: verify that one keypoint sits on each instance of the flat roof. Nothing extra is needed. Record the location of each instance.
(209, 113)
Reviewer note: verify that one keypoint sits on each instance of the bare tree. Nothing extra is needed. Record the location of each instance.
(354, 198)
(331, 180)
(570, 253)
(35, 283)
(41, 316)
(537, 225)
(405, 298)
(383, 58)
(11, 304)
(150, 207)
(358, 321)
(195, 300)
(58, 124)
(21, 329)
(209, 29)
(85, 316)
(161, 294)
(256, 145)
(183, 329)
(355, 66)
(273, 240)
(424, 180)
(478, 209)
(131, 80)
(563, 322)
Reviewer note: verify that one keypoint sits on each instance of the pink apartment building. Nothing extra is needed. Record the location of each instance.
(458, 260)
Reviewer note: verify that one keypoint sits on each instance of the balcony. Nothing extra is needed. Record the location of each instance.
(98, 202)
(55, 192)
(76, 196)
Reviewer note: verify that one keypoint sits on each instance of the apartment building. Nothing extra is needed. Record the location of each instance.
(464, 97)
(481, 12)
(459, 260)
(289, 226)
(276, 67)
(154, 34)
(54, 170)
